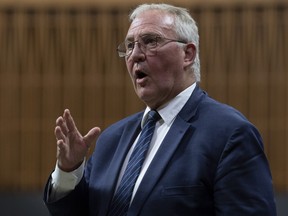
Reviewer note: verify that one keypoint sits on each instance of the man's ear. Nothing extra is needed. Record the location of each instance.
(190, 54)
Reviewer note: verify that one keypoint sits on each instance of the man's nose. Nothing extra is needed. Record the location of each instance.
(138, 53)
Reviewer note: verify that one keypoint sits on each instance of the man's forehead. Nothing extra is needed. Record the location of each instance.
(147, 25)
(138, 27)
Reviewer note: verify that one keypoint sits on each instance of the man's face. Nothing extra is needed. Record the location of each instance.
(157, 77)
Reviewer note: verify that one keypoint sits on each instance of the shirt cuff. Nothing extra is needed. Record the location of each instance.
(64, 182)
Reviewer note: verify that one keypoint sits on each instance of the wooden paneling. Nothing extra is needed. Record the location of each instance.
(55, 58)
(125, 3)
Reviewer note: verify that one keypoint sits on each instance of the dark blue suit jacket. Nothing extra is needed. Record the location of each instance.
(210, 163)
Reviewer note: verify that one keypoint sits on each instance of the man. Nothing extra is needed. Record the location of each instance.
(205, 158)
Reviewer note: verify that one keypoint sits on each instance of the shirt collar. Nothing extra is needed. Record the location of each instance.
(173, 107)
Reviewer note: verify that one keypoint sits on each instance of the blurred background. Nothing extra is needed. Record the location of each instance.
(57, 54)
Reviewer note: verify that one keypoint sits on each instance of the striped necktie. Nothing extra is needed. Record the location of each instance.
(122, 197)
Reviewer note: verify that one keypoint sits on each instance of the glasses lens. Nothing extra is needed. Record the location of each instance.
(147, 43)
(122, 51)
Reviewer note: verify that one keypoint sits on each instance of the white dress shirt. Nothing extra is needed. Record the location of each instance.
(63, 182)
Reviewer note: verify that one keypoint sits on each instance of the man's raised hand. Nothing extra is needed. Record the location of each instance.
(72, 147)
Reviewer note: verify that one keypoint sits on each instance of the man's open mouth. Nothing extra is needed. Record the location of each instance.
(140, 74)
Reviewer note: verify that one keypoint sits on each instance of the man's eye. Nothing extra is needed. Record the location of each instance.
(129, 45)
(151, 41)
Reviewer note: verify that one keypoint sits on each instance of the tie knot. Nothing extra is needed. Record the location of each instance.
(153, 116)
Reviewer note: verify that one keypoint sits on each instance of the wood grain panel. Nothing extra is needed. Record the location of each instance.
(52, 58)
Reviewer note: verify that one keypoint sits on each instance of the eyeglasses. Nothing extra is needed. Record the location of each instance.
(148, 44)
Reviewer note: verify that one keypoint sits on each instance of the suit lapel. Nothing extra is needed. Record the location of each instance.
(176, 133)
(159, 163)
(127, 138)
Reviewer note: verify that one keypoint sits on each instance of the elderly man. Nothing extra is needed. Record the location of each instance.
(186, 154)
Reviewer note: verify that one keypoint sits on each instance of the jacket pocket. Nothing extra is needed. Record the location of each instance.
(184, 191)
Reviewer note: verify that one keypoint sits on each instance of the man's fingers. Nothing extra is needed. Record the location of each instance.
(72, 147)
(61, 145)
(59, 133)
(61, 149)
(62, 124)
(69, 121)
(91, 136)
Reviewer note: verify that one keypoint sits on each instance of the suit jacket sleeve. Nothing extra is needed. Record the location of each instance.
(74, 204)
(243, 180)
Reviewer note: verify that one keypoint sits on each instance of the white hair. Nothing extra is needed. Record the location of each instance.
(185, 27)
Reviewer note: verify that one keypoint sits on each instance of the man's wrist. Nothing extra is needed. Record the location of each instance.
(67, 180)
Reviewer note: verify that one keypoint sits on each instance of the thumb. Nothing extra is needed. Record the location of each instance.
(91, 136)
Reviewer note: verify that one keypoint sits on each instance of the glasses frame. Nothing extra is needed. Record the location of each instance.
(124, 51)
